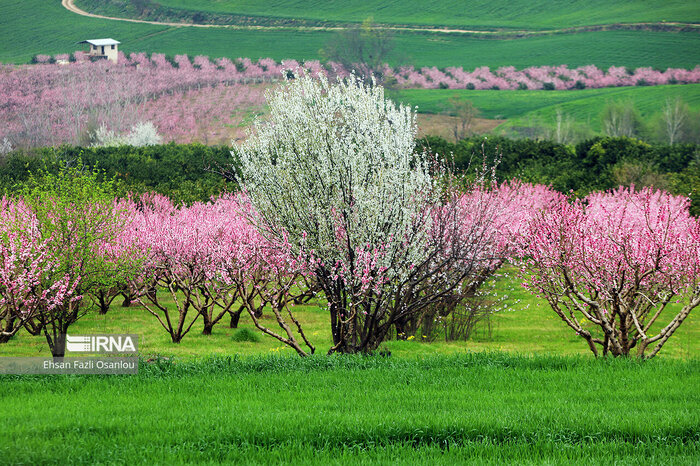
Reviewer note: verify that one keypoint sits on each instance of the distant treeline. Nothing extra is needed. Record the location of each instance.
(185, 172)
(596, 164)
(195, 172)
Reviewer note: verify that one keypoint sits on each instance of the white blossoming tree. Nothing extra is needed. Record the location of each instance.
(333, 173)
(141, 134)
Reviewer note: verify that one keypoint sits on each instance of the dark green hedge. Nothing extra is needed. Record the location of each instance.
(597, 164)
(185, 172)
(190, 172)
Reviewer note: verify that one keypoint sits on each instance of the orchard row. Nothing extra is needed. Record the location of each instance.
(506, 77)
(617, 260)
(48, 104)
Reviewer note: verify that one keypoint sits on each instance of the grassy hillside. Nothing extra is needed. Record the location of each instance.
(584, 106)
(31, 27)
(478, 14)
(51, 29)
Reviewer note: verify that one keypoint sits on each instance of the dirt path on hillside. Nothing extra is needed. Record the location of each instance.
(70, 6)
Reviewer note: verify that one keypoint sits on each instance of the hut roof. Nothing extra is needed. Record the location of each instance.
(99, 42)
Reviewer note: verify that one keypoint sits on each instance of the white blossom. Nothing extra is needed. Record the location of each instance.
(5, 146)
(141, 134)
(339, 156)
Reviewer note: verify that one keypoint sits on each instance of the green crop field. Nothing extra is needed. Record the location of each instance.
(479, 14)
(478, 408)
(51, 29)
(584, 106)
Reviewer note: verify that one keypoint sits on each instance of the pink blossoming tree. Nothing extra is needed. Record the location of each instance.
(212, 262)
(25, 261)
(496, 215)
(621, 268)
(62, 241)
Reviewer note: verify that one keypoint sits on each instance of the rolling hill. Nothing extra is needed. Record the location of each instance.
(51, 29)
(475, 14)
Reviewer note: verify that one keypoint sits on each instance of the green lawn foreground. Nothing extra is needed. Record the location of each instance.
(530, 393)
(488, 408)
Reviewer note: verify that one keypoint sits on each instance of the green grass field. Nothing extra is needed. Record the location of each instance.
(519, 107)
(480, 14)
(478, 408)
(529, 326)
(51, 29)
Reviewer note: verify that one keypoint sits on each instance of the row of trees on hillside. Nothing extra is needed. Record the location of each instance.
(201, 99)
(673, 123)
(366, 51)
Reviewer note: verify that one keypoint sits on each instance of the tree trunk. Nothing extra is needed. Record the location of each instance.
(8, 329)
(208, 324)
(34, 327)
(235, 317)
(127, 299)
(59, 349)
(400, 329)
(104, 304)
(56, 329)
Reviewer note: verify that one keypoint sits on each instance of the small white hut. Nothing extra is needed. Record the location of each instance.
(105, 48)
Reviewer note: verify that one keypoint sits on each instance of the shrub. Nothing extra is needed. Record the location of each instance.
(143, 134)
(244, 334)
(184, 172)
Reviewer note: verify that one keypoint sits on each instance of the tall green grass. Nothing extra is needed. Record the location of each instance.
(482, 408)
(474, 14)
(36, 26)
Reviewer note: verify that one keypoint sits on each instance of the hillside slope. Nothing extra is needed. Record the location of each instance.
(52, 29)
(478, 14)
